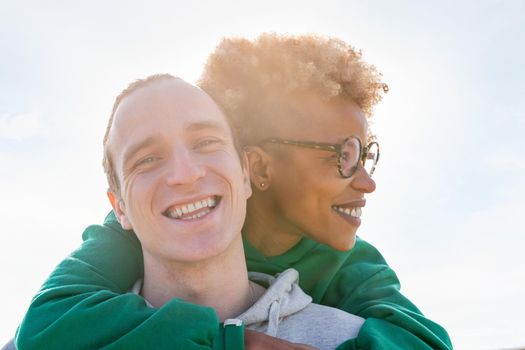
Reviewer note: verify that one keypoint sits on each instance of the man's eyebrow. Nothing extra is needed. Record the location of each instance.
(193, 127)
(212, 125)
(130, 152)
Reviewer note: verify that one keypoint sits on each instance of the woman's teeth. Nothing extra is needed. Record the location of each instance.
(185, 211)
(353, 212)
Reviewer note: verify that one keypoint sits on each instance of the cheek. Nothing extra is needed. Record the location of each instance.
(314, 194)
(238, 182)
(307, 183)
(140, 189)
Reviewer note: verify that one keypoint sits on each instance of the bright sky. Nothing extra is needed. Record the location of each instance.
(448, 213)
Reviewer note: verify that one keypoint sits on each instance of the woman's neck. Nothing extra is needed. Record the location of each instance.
(220, 282)
(266, 232)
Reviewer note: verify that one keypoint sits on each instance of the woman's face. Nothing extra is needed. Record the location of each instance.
(310, 197)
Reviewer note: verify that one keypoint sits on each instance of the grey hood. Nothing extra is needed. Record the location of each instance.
(283, 298)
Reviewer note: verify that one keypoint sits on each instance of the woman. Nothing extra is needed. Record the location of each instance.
(300, 107)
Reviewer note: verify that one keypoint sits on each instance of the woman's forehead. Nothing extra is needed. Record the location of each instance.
(309, 117)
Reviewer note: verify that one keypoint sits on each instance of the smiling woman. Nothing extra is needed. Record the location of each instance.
(304, 188)
(304, 212)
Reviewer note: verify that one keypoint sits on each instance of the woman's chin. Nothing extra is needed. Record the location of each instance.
(343, 245)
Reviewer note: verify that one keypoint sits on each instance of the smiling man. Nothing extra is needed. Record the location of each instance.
(177, 181)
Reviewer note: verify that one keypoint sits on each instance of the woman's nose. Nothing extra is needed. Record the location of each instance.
(362, 181)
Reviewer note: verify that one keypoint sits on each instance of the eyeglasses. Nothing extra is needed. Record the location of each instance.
(349, 153)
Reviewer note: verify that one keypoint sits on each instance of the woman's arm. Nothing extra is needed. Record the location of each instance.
(84, 304)
(366, 286)
(360, 282)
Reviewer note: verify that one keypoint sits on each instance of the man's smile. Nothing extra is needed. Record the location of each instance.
(192, 210)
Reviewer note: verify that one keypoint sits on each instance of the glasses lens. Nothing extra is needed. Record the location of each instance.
(370, 158)
(350, 151)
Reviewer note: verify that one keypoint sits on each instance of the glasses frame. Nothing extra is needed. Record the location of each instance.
(332, 147)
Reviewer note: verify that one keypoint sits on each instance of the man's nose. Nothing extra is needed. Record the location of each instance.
(184, 168)
(362, 181)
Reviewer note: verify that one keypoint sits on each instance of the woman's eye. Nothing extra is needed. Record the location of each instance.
(332, 158)
(337, 155)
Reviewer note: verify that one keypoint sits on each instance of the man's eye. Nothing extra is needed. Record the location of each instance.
(206, 142)
(147, 160)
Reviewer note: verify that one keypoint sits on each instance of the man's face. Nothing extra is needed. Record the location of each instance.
(182, 187)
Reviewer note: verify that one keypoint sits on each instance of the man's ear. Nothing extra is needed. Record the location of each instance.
(119, 209)
(259, 166)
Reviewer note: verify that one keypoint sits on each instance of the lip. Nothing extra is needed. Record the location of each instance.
(356, 222)
(349, 219)
(188, 200)
(353, 204)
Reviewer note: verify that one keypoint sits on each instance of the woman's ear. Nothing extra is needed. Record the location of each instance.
(119, 209)
(259, 165)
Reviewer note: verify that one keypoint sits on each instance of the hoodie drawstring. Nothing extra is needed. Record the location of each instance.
(273, 318)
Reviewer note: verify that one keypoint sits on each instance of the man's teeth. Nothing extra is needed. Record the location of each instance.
(184, 210)
(353, 212)
(196, 216)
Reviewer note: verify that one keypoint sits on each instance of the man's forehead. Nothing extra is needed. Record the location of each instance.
(173, 94)
(171, 107)
(170, 101)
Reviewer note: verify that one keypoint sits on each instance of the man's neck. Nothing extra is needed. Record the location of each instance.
(220, 282)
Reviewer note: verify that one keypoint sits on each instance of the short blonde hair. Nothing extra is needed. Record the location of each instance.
(242, 76)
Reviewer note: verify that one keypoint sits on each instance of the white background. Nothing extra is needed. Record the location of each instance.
(449, 211)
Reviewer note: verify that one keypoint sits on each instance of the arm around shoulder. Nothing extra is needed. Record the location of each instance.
(368, 287)
(84, 305)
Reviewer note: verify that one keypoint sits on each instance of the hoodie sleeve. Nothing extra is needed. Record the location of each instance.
(366, 286)
(84, 304)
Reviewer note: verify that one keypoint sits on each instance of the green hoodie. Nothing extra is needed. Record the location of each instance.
(84, 303)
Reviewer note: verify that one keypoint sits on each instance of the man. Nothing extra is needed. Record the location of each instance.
(176, 179)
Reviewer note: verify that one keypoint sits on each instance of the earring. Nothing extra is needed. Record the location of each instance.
(263, 184)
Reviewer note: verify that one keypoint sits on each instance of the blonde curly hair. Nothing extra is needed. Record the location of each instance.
(243, 77)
